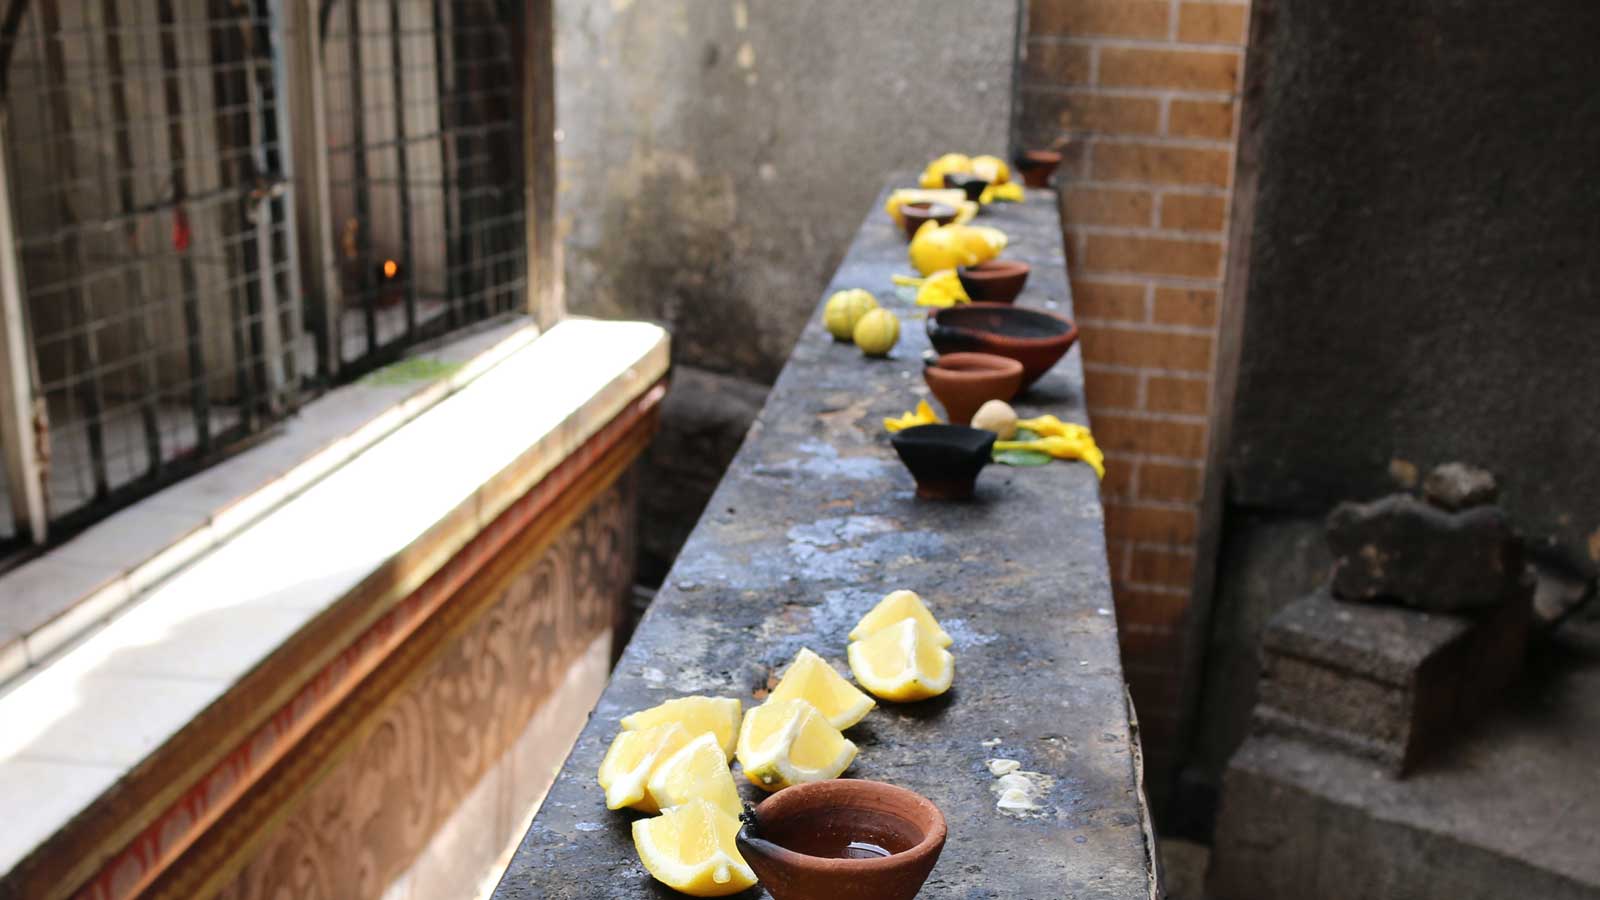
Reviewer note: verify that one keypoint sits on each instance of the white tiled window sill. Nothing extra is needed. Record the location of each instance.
(98, 708)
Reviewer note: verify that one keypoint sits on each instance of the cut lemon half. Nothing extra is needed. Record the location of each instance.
(811, 679)
(903, 662)
(891, 609)
(690, 848)
(698, 771)
(789, 743)
(697, 715)
(625, 772)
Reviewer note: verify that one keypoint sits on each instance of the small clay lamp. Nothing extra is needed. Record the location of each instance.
(995, 281)
(972, 184)
(843, 839)
(1037, 166)
(912, 215)
(944, 459)
(965, 381)
(1033, 337)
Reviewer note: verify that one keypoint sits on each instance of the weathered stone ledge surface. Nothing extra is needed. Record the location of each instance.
(815, 521)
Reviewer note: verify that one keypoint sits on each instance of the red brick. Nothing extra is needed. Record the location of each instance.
(1186, 306)
(1190, 396)
(1052, 63)
(1108, 206)
(1110, 390)
(1193, 212)
(1175, 569)
(1211, 119)
(1114, 18)
(1150, 524)
(1109, 301)
(1131, 254)
(1086, 112)
(1186, 70)
(1141, 349)
(1212, 23)
(1155, 609)
(1170, 482)
(1161, 164)
(1156, 437)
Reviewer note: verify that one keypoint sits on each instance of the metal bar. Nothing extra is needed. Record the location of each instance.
(358, 163)
(262, 204)
(408, 256)
(148, 379)
(234, 170)
(80, 318)
(18, 404)
(446, 165)
(313, 218)
(172, 94)
(466, 137)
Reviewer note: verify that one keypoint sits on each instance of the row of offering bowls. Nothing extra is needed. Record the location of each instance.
(987, 351)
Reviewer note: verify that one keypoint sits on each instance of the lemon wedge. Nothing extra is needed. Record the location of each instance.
(690, 848)
(698, 771)
(902, 662)
(789, 743)
(891, 609)
(942, 289)
(718, 715)
(811, 679)
(625, 771)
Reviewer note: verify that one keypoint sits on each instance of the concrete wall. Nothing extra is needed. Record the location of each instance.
(717, 155)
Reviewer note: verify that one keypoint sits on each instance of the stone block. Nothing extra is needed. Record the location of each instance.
(1384, 682)
(1400, 549)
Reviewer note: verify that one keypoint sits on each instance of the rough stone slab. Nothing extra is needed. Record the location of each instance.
(1385, 682)
(1511, 810)
(813, 523)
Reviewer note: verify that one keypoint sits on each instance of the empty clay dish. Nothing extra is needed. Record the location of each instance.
(1037, 166)
(843, 840)
(914, 214)
(965, 381)
(1030, 336)
(944, 459)
(995, 281)
(972, 184)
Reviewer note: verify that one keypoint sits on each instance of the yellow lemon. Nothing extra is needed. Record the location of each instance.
(633, 755)
(942, 289)
(789, 743)
(992, 169)
(877, 332)
(691, 849)
(902, 662)
(936, 247)
(811, 679)
(844, 309)
(892, 609)
(982, 242)
(698, 771)
(697, 715)
(933, 175)
(965, 210)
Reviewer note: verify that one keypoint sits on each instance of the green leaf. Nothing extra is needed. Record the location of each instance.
(1024, 434)
(1022, 457)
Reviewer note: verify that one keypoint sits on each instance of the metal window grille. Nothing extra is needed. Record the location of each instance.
(151, 247)
(424, 169)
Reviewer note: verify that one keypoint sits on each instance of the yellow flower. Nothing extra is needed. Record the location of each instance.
(933, 175)
(923, 415)
(1010, 192)
(942, 289)
(1062, 440)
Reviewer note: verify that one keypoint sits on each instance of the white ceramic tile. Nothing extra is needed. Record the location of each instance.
(131, 537)
(102, 719)
(13, 657)
(221, 643)
(39, 797)
(78, 618)
(35, 593)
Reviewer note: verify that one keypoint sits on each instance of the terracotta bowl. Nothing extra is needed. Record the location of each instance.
(965, 381)
(914, 214)
(995, 281)
(972, 184)
(1032, 337)
(944, 459)
(822, 841)
(1037, 166)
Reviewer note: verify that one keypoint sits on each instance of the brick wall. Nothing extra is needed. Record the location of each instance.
(1146, 92)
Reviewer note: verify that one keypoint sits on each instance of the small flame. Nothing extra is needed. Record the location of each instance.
(390, 268)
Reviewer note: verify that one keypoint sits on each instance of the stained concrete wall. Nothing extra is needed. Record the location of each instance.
(717, 155)
(1423, 287)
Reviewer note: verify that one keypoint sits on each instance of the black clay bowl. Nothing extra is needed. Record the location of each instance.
(1032, 337)
(944, 459)
(996, 281)
(914, 214)
(972, 184)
